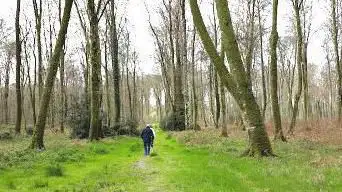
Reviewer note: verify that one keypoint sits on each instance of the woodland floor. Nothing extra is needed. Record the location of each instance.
(186, 161)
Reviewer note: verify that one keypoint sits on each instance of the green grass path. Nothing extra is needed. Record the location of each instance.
(118, 164)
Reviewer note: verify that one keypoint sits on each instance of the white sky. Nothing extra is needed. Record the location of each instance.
(143, 41)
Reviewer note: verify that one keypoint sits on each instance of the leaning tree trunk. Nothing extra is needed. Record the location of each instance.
(17, 69)
(274, 75)
(38, 135)
(235, 80)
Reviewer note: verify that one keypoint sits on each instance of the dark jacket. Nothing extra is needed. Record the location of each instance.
(147, 135)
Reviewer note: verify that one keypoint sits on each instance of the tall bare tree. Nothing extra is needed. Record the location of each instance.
(38, 135)
(262, 62)
(17, 69)
(115, 63)
(337, 57)
(63, 95)
(95, 60)
(297, 6)
(38, 10)
(274, 75)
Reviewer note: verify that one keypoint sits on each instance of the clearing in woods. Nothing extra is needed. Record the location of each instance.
(201, 162)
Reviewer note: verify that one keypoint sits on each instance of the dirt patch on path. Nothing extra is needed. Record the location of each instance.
(141, 164)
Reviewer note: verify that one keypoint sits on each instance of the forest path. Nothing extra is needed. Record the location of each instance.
(174, 166)
(152, 168)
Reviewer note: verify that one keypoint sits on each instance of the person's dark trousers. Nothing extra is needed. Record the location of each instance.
(147, 148)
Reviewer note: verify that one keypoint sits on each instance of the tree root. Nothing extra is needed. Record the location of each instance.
(264, 153)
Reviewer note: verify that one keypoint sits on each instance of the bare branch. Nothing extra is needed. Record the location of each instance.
(103, 10)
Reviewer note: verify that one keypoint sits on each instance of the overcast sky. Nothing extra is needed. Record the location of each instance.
(143, 40)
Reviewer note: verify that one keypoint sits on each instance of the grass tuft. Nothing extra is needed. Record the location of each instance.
(135, 147)
(40, 184)
(168, 136)
(54, 171)
(69, 156)
(11, 185)
(153, 154)
(100, 150)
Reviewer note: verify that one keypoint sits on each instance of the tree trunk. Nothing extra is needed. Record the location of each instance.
(127, 78)
(95, 60)
(135, 95)
(85, 65)
(64, 105)
(107, 76)
(202, 100)
(115, 65)
(179, 104)
(337, 58)
(224, 130)
(38, 135)
(250, 47)
(305, 84)
(263, 78)
(30, 86)
(38, 18)
(17, 71)
(215, 76)
(274, 75)
(194, 93)
(236, 80)
(6, 91)
(330, 84)
(299, 31)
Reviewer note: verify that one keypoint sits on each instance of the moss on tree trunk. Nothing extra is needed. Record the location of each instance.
(38, 134)
(235, 80)
(95, 60)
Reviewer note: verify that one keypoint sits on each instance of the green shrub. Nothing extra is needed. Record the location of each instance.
(79, 120)
(54, 171)
(6, 136)
(127, 127)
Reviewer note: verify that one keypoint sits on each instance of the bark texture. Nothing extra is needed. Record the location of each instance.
(38, 134)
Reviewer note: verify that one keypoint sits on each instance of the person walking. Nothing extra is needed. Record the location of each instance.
(147, 136)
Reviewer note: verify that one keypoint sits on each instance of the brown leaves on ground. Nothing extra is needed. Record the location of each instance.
(325, 131)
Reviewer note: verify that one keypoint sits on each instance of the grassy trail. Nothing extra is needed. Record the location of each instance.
(117, 165)
(218, 168)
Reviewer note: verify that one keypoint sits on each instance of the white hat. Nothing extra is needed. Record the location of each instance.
(149, 125)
